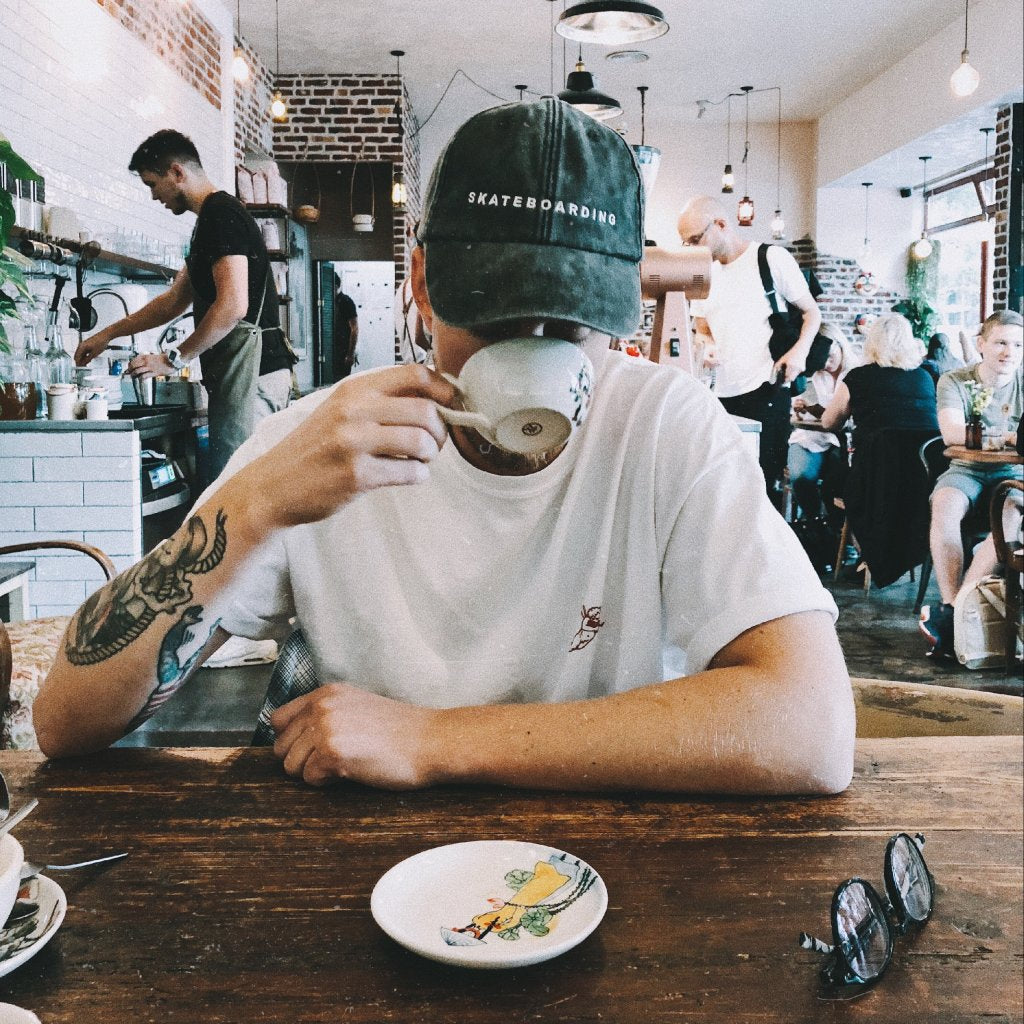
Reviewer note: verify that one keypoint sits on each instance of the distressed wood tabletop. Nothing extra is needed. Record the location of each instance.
(246, 895)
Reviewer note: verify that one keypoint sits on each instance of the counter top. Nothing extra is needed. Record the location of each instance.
(128, 417)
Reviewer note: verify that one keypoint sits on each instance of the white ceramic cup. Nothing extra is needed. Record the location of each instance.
(60, 401)
(525, 395)
(11, 858)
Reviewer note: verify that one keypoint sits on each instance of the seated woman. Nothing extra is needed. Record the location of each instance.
(892, 401)
(941, 357)
(815, 456)
(966, 486)
(890, 390)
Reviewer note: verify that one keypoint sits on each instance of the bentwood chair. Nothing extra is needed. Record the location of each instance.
(28, 649)
(1010, 552)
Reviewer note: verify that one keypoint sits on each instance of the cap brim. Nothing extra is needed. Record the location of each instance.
(472, 283)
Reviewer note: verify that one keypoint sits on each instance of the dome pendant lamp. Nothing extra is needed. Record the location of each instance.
(581, 92)
(612, 22)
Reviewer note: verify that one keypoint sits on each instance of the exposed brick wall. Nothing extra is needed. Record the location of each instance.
(253, 127)
(1003, 260)
(179, 35)
(343, 118)
(840, 303)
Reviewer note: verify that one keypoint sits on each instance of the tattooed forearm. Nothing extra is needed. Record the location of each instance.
(173, 666)
(122, 611)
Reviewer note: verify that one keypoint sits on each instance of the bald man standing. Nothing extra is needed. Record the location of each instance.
(748, 382)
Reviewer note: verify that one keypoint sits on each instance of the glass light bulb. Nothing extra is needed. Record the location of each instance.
(728, 179)
(922, 248)
(278, 110)
(778, 225)
(745, 212)
(240, 67)
(965, 79)
(398, 193)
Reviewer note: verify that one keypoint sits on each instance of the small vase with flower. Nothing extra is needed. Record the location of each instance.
(978, 398)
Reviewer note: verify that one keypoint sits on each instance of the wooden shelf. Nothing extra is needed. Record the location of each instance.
(267, 210)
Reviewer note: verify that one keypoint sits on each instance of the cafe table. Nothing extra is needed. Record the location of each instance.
(985, 456)
(246, 895)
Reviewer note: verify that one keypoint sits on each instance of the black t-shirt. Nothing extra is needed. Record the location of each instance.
(344, 313)
(225, 228)
(884, 397)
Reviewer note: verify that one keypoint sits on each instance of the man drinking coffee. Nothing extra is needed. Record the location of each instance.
(623, 610)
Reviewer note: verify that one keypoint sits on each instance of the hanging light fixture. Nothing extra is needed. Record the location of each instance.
(278, 108)
(521, 89)
(728, 179)
(612, 22)
(398, 191)
(581, 91)
(865, 251)
(239, 66)
(984, 170)
(745, 207)
(965, 78)
(648, 157)
(778, 225)
(923, 247)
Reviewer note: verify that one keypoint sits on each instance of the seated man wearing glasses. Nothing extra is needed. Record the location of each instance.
(624, 610)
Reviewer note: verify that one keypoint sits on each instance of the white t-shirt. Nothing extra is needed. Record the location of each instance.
(642, 550)
(737, 312)
(823, 385)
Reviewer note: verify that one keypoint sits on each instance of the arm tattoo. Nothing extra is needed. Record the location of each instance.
(160, 584)
(172, 668)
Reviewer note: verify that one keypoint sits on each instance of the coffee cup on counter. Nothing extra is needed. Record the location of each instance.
(60, 401)
(145, 389)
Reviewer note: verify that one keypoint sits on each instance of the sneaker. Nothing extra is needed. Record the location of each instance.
(937, 627)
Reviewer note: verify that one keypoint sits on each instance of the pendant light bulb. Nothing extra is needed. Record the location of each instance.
(398, 192)
(965, 79)
(728, 179)
(745, 212)
(922, 248)
(278, 109)
(778, 225)
(240, 67)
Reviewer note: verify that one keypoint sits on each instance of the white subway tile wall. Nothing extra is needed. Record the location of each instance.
(81, 92)
(70, 485)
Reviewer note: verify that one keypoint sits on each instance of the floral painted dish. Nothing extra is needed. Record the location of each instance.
(490, 904)
(22, 940)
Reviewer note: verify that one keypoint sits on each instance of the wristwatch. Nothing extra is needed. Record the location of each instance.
(173, 356)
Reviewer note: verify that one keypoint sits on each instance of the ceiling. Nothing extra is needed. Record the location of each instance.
(816, 53)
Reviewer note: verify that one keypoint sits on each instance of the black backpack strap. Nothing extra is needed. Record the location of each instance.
(767, 281)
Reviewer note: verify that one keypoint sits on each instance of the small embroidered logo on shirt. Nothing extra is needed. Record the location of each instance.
(591, 623)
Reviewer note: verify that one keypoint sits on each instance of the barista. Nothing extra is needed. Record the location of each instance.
(245, 359)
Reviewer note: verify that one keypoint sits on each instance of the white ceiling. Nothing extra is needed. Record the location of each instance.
(818, 52)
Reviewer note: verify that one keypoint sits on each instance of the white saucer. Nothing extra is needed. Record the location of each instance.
(53, 905)
(458, 903)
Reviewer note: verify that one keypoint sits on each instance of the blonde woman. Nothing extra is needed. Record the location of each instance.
(812, 453)
(891, 390)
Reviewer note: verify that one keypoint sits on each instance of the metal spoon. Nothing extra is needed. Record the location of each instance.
(17, 816)
(30, 870)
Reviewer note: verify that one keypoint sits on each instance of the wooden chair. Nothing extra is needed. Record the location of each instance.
(1011, 554)
(28, 649)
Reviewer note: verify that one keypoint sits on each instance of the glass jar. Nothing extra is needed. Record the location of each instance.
(60, 367)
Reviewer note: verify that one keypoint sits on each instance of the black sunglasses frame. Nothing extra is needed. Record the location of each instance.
(838, 969)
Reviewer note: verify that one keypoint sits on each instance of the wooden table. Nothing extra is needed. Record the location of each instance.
(246, 896)
(1003, 457)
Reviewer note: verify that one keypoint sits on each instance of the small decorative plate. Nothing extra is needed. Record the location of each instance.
(23, 939)
(490, 904)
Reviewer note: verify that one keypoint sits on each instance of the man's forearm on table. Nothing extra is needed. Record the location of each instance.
(134, 642)
(733, 729)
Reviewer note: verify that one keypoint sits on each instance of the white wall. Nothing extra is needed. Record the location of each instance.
(913, 98)
(80, 93)
(893, 223)
(692, 159)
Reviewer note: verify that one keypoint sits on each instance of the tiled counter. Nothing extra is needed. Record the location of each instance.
(78, 481)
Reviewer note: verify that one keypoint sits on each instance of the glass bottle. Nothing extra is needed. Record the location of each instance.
(17, 391)
(60, 367)
(35, 360)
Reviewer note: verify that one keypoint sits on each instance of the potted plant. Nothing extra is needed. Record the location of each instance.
(17, 398)
(979, 396)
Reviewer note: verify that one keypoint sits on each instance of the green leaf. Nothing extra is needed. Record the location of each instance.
(510, 935)
(6, 214)
(4, 347)
(536, 921)
(515, 880)
(15, 164)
